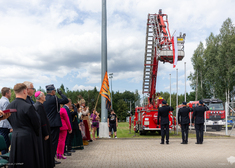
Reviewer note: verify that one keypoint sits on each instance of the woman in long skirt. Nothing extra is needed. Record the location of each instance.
(77, 142)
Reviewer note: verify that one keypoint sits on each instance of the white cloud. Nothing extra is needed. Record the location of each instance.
(82, 87)
(44, 40)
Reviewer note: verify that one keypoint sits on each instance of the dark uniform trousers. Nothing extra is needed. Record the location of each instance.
(184, 129)
(68, 141)
(199, 132)
(55, 131)
(165, 131)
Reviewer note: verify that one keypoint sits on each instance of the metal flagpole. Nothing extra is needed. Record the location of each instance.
(177, 101)
(104, 112)
(185, 81)
(170, 89)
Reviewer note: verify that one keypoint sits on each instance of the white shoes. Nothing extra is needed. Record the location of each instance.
(109, 137)
(115, 137)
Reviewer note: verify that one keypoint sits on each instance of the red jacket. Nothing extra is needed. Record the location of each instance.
(65, 120)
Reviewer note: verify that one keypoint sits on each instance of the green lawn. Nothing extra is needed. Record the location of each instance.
(123, 132)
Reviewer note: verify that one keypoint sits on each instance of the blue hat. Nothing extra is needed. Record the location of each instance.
(164, 102)
(184, 103)
(201, 102)
(50, 87)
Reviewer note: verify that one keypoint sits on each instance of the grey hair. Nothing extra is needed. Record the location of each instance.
(27, 83)
(37, 98)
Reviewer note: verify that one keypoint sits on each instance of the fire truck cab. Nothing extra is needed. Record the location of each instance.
(216, 114)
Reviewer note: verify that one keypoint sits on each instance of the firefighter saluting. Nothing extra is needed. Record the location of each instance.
(163, 112)
(198, 113)
(183, 119)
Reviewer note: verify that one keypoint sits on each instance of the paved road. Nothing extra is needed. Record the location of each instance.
(138, 153)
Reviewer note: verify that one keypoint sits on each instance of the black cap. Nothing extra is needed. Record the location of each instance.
(201, 102)
(50, 87)
(164, 102)
(184, 103)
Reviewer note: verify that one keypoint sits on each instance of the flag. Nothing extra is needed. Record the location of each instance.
(175, 50)
(104, 91)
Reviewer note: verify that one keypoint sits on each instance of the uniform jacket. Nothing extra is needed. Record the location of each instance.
(198, 113)
(65, 120)
(52, 109)
(70, 114)
(183, 115)
(163, 112)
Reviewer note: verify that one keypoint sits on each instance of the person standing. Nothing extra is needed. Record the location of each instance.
(45, 127)
(66, 127)
(183, 119)
(112, 123)
(77, 121)
(30, 91)
(86, 121)
(163, 113)
(69, 137)
(26, 126)
(52, 108)
(5, 126)
(94, 119)
(198, 114)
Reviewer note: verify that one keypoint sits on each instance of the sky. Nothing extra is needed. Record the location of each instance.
(59, 41)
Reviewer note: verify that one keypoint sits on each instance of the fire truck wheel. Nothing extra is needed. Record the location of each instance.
(142, 133)
(218, 128)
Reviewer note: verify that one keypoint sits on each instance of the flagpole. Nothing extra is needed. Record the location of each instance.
(104, 131)
(97, 101)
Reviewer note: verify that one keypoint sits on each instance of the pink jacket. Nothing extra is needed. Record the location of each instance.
(65, 120)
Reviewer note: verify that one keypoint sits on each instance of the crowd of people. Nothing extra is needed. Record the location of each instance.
(49, 128)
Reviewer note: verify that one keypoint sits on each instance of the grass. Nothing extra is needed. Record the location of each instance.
(123, 132)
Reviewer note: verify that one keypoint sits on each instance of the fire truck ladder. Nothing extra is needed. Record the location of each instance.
(149, 55)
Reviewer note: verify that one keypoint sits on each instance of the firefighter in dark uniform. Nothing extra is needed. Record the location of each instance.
(198, 113)
(183, 119)
(163, 112)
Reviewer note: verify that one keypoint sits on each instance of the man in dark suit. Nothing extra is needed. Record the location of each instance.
(183, 119)
(69, 137)
(52, 108)
(163, 112)
(198, 113)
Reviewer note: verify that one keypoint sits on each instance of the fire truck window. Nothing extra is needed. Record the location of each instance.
(216, 106)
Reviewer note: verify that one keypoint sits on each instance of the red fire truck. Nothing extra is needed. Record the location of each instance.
(216, 114)
(159, 47)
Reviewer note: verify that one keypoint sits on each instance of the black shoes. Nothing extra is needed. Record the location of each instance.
(198, 143)
(182, 143)
(67, 154)
(90, 140)
(71, 150)
(167, 143)
(56, 162)
(162, 143)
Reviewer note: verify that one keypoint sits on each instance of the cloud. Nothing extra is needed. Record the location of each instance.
(46, 41)
(82, 87)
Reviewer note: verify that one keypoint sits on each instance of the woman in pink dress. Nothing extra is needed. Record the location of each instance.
(66, 127)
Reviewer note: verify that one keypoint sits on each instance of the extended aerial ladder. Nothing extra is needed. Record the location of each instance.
(158, 48)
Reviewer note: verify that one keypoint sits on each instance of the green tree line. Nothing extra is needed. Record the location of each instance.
(214, 65)
(121, 100)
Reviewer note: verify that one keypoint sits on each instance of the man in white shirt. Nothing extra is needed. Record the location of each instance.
(5, 126)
